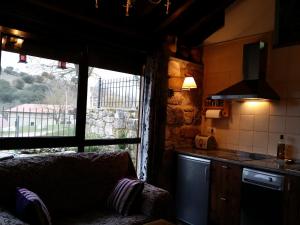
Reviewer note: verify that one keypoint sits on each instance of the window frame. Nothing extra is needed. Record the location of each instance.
(79, 140)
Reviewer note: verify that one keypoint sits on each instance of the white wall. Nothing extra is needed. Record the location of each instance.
(245, 18)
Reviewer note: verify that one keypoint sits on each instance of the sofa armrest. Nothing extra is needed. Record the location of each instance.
(7, 218)
(156, 202)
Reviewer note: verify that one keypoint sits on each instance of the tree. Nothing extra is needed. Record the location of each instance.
(8, 69)
(6, 92)
(39, 79)
(19, 84)
(28, 79)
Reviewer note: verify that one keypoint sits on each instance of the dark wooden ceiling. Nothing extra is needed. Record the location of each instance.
(79, 20)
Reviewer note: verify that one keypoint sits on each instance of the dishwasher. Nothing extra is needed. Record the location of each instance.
(192, 190)
(262, 197)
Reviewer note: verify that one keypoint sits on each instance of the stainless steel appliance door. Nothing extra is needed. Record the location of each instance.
(192, 190)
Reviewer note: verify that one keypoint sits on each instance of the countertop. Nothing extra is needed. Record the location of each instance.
(245, 159)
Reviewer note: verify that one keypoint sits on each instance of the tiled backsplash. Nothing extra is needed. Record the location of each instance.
(257, 126)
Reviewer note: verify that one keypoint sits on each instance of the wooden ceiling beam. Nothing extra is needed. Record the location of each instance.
(76, 15)
(175, 15)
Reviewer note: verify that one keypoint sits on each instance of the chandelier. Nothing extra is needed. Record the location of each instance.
(129, 4)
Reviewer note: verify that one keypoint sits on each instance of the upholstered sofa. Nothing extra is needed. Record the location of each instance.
(75, 188)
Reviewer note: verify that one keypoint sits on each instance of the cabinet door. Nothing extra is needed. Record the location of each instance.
(225, 194)
(292, 200)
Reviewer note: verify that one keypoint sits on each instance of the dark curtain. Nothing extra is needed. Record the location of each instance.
(154, 116)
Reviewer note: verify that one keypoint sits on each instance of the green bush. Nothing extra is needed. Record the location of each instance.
(8, 70)
(6, 92)
(28, 79)
(39, 79)
(19, 84)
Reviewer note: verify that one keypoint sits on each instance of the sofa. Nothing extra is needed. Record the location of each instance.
(75, 188)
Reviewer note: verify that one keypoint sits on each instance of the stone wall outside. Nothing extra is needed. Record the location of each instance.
(112, 123)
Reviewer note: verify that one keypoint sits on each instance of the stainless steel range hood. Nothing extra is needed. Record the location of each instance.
(254, 85)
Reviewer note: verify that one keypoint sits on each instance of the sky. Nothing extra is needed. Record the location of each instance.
(33, 67)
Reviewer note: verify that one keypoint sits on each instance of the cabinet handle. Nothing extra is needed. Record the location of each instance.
(225, 167)
(206, 174)
(223, 199)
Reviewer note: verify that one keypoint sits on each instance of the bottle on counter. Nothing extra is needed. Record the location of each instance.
(281, 148)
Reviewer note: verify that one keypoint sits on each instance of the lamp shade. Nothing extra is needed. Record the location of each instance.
(189, 83)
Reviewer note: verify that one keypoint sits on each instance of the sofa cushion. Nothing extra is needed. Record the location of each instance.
(31, 208)
(124, 195)
(8, 218)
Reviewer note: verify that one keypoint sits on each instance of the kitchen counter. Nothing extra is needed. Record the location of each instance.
(245, 159)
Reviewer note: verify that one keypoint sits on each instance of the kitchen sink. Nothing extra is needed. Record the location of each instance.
(255, 156)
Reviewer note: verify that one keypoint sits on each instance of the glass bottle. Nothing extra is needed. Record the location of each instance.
(281, 148)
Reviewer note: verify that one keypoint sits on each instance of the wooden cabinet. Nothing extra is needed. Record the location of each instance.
(225, 194)
(292, 200)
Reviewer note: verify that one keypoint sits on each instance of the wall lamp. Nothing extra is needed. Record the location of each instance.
(189, 83)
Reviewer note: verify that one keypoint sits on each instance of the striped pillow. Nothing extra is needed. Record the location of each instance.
(124, 195)
(30, 208)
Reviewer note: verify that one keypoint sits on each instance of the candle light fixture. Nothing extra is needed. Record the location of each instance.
(22, 58)
(129, 4)
(62, 65)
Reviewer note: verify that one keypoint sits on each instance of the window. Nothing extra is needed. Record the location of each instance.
(113, 105)
(37, 98)
(42, 113)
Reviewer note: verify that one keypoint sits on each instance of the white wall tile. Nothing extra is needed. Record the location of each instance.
(246, 138)
(233, 147)
(233, 137)
(292, 125)
(234, 122)
(221, 136)
(247, 108)
(278, 108)
(246, 122)
(262, 108)
(235, 108)
(261, 139)
(277, 124)
(272, 145)
(293, 107)
(261, 123)
(245, 148)
(260, 150)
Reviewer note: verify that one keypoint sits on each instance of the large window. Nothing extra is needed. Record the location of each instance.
(37, 97)
(50, 106)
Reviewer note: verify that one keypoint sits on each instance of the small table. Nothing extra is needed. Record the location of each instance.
(159, 222)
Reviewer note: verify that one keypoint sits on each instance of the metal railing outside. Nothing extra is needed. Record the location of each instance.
(34, 122)
(119, 93)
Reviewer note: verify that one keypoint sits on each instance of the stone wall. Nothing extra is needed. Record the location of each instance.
(184, 107)
(112, 123)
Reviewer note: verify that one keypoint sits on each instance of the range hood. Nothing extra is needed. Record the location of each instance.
(254, 84)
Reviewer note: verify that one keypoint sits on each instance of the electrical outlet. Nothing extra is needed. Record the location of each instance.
(211, 130)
